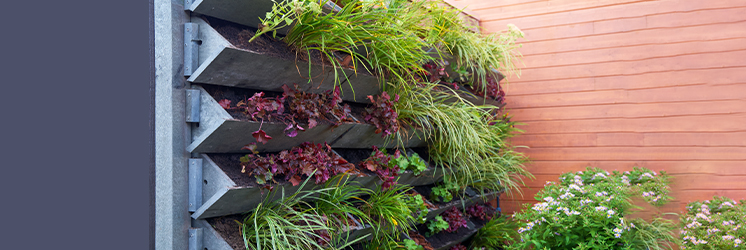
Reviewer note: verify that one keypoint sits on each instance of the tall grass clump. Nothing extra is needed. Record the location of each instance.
(291, 223)
(465, 138)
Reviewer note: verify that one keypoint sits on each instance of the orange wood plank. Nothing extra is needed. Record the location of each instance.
(672, 63)
(629, 82)
(641, 37)
(627, 110)
(634, 9)
(632, 53)
(669, 20)
(536, 8)
(658, 95)
(581, 140)
(636, 153)
(552, 167)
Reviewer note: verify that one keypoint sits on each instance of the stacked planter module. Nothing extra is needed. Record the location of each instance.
(226, 65)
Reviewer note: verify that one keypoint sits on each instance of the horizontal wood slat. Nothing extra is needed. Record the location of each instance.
(669, 20)
(627, 110)
(717, 76)
(633, 9)
(657, 95)
(633, 139)
(637, 153)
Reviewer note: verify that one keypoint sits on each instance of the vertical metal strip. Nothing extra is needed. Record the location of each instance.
(195, 184)
(192, 105)
(191, 48)
(195, 239)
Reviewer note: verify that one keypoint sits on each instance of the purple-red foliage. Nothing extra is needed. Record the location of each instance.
(300, 106)
(492, 88)
(297, 162)
(382, 114)
(478, 211)
(379, 163)
(458, 247)
(455, 219)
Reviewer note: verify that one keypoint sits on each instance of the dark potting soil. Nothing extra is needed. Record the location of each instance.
(227, 228)
(239, 36)
(420, 240)
(231, 165)
(443, 238)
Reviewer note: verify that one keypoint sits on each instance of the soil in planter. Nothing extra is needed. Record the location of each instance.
(420, 240)
(236, 95)
(227, 228)
(440, 239)
(239, 36)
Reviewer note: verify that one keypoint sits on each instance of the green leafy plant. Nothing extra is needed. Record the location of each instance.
(498, 233)
(414, 163)
(436, 226)
(714, 224)
(441, 194)
(587, 210)
(417, 204)
(408, 244)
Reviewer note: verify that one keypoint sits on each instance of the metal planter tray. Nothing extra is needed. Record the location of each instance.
(221, 63)
(222, 196)
(246, 12)
(219, 132)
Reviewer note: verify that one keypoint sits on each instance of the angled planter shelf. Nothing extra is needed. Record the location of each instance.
(223, 63)
(223, 195)
(444, 240)
(245, 12)
(364, 136)
(219, 132)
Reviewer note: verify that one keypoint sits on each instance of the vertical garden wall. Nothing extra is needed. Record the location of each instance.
(328, 124)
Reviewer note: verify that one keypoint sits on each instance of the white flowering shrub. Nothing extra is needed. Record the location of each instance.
(716, 224)
(587, 209)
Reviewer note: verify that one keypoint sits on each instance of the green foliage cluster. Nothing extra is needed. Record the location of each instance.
(587, 209)
(440, 193)
(436, 226)
(413, 162)
(417, 202)
(719, 223)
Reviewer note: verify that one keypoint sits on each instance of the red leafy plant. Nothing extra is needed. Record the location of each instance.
(455, 219)
(308, 159)
(491, 87)
(458, 247)
(382, 114)
(479, 211)
(379, 162)
(293, 106)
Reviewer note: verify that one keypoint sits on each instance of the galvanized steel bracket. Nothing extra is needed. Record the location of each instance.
(191, 48)
(192, 105)
(195, 184)
(195, 239)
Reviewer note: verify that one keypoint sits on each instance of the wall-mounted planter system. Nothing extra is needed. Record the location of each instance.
(245, 12)
(223, 63)
(223, 196)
